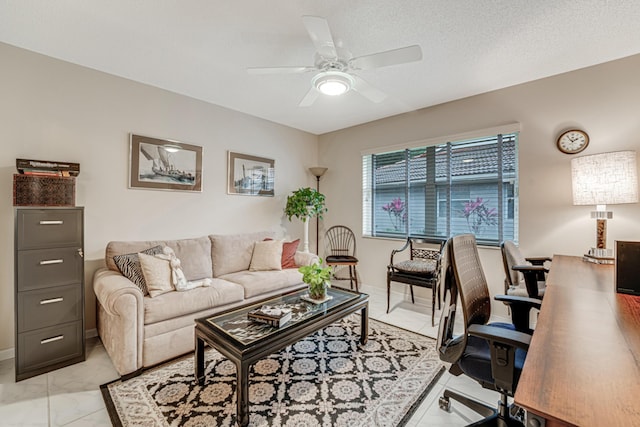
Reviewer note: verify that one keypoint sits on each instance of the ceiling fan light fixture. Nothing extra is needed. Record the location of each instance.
(333, 83)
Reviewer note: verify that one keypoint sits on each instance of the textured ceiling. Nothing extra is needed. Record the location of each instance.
(201, 48)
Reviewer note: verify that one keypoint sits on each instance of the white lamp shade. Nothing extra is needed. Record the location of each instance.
(317, 171)
(605, 179)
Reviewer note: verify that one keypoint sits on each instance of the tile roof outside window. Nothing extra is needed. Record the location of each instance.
(485, 161)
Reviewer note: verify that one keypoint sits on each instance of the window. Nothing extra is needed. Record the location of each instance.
(442, 190)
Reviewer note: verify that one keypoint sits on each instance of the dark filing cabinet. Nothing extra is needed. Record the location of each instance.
(49, 289)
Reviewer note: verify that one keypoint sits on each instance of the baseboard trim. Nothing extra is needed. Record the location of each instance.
(9, 353)
(91, 333)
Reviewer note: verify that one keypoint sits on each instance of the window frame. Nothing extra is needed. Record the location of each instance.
(506, 187)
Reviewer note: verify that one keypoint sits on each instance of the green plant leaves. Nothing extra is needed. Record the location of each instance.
(305, 203)
(315, 275)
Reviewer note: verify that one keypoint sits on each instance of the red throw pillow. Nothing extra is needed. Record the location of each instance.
(288, 253)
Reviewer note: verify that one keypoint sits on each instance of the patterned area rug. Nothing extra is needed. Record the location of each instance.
(327, 379)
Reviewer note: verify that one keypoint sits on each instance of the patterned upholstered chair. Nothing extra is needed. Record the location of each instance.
(492, 354)
(523, 276)
(422, 269)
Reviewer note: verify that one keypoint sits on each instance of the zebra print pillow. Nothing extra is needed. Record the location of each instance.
(129, 266)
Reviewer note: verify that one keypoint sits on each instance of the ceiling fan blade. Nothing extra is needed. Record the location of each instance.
(280, 70)
(318, 29)
(309, 98)
(370, 92)
(389, 57)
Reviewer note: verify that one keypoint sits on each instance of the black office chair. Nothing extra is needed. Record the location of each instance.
(491, 353)
(523, 276)
(422, 269)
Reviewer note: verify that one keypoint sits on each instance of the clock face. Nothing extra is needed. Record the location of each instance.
(573, 141)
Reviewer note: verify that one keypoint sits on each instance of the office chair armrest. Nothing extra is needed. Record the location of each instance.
(538, 260)
(530, 268)
(514, 300)
(395, 251)
(500, 335)
(503, 344)
(532, 275)
(520, 309)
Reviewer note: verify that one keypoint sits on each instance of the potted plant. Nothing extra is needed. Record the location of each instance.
(318, 278)
(305, 203)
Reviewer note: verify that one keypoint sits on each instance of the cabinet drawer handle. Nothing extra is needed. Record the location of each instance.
(51, 301)
(55, 222)
(52, 339)
(51, 261)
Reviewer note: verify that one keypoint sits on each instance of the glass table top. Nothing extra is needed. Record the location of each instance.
(239, 327)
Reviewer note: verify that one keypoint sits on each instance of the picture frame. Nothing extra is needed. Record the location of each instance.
(162, 164)
(250, 175)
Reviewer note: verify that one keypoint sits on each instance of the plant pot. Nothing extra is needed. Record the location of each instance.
(318, 292)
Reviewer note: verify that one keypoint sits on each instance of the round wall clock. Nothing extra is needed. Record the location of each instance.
(573, 141)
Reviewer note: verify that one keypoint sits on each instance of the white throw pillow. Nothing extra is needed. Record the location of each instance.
(157, 274)
(267, 255)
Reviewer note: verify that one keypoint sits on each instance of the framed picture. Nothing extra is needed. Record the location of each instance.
(161, 164)
(250, 175)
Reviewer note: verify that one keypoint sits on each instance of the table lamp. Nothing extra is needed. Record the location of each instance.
(604, 179)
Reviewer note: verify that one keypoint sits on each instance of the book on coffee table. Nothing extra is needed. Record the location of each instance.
(274, 316)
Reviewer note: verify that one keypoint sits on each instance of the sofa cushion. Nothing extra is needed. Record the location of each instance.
(259, 282)
(194, 256)
(174, 304)
(157, 274)
(231, 253)
(124, 248)
(129, 266)
(266, 256)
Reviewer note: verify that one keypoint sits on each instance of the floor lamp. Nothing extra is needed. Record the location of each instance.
(317, 171)
(601, 180)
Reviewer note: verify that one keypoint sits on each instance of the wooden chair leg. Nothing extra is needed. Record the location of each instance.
(412, 300)
(433, 304)
(355, 278)
(351, 277)
(388, 291)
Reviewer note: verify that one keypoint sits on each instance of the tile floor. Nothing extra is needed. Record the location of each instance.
(71, 397)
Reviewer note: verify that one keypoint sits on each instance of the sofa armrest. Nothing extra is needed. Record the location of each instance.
(120, 319)
(305, 258)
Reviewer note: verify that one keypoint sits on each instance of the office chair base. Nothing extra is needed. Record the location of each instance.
(492, 417)
(445, 403)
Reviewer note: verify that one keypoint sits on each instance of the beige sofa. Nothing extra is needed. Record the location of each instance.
(139, 331)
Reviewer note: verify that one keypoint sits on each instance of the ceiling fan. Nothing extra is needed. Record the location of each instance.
(334, 66)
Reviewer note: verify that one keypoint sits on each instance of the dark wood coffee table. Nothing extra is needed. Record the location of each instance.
(244, 342)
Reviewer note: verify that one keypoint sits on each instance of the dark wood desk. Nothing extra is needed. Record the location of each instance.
(583, 366)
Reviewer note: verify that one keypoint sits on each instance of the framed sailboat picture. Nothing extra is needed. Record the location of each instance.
(162, 164)
(250, 175)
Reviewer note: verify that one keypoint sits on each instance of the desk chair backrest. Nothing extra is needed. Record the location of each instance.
(471, 281)
(465, 279)
(511, 256)
(341, 241)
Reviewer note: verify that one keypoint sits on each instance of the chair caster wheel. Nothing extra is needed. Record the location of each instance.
(444, 403)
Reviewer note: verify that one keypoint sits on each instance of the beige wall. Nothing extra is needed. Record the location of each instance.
(604, 100)
(52, 110)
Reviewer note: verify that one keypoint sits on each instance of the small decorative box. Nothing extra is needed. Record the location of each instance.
(34, 190)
